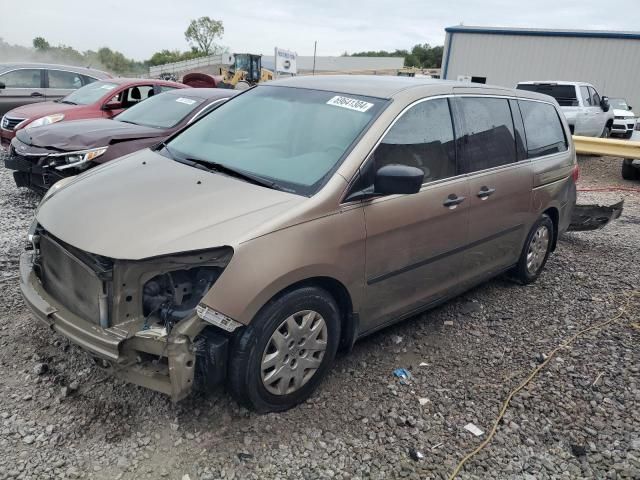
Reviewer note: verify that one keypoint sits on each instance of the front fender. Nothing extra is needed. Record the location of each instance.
(330, 246)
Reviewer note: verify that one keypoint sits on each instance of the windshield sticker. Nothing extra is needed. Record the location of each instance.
(186, 101)
(108, 87)
(350, 103)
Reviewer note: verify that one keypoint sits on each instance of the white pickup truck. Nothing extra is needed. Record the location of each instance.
(588, 114)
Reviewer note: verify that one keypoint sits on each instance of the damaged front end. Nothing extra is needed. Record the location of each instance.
(137, 317)
(594, 217)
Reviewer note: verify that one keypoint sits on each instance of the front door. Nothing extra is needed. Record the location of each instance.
(500, 182)
(414, 242)
(20, 87)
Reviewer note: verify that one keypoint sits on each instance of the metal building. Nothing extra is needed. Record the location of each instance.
(505, 56)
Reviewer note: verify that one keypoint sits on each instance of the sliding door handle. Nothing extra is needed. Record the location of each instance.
(485, 192)
(453, 201)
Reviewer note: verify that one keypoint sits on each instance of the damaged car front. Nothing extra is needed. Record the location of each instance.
(129, 314)
(121, 274)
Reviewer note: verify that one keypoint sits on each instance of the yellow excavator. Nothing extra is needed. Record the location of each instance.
(245, 72)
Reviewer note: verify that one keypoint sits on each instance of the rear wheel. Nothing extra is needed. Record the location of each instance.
(629, 172)
(535, 252)
(281, 357)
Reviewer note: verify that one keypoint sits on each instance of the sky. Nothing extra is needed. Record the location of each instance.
(138, 29)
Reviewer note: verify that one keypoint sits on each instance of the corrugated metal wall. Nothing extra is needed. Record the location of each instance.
(612, 65)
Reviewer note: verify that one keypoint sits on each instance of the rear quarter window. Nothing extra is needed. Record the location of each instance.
(543, 128)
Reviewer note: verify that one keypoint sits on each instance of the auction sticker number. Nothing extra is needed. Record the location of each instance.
(350, 103)
(186, 101)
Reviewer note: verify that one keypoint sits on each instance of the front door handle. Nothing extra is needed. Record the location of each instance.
(485, 192)
(37, 94)
(453, 201)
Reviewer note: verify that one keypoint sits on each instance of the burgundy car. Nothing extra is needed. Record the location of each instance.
(42, 156)
(102, 99)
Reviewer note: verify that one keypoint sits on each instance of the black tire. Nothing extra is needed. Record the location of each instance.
(629, 172)
(606, 132)
(245, 360)
(628, 135)
(522, 272)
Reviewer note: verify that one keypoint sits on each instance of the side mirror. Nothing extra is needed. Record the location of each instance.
(604, 104)
(112, 106)
(2, 86)
(398, 179)
(629, 107)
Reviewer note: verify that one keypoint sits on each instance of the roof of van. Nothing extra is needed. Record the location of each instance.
(381, 86)
(53, 66)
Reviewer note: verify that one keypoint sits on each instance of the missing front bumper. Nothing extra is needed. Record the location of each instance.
(594, 217)
(163, 362)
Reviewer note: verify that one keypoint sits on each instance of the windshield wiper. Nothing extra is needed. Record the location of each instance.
(232, 172)
(69, 102)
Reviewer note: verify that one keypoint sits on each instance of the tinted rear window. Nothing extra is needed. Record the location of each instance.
(543, 129)
(486, 133)
(565, 95)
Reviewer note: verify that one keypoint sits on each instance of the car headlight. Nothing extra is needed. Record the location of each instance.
(62, 161)
(619, 117)
(49, 119)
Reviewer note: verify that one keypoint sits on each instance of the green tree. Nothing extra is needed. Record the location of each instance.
(202, 33)
(421, 56)
(40, 43)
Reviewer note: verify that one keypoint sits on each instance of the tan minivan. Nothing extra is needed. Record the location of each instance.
(301, 215)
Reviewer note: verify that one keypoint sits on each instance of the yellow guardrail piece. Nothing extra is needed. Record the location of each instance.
(606, 147)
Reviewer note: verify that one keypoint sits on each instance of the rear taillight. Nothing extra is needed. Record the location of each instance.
(576, 173)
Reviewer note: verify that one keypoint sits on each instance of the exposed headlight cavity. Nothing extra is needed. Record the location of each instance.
(173, 296)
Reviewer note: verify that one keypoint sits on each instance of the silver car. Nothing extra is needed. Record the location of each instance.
(24, 83)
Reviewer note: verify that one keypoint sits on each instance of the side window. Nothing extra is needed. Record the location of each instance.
(586, 98)
(545, 134)
(24, 78)
(66, 80)
(595, 98)
(86, 80)
(422, 137)
(486, 133)
(136, 94)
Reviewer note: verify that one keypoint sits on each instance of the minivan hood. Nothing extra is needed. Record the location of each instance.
(83, 134)
(145, 205)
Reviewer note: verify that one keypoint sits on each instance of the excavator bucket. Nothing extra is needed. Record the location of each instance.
(594, 217)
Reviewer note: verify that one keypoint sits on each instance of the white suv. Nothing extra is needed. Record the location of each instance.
(625, 120)
(587, 113)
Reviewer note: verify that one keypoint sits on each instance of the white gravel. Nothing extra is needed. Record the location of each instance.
(580, 418)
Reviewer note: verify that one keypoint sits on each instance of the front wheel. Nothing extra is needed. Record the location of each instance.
(535, 252)
(280, 358)
(606, 132)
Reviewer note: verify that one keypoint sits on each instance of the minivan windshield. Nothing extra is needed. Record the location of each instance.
(565, 95)
(293, 138)
(160, 111)
(89, 93)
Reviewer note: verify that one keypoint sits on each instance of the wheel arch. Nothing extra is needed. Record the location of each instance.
(554, 215)
(349, 320)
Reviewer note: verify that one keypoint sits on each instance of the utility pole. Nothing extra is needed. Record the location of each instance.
(315, 45)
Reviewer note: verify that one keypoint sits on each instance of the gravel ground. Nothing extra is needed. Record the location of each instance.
(60, 417)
